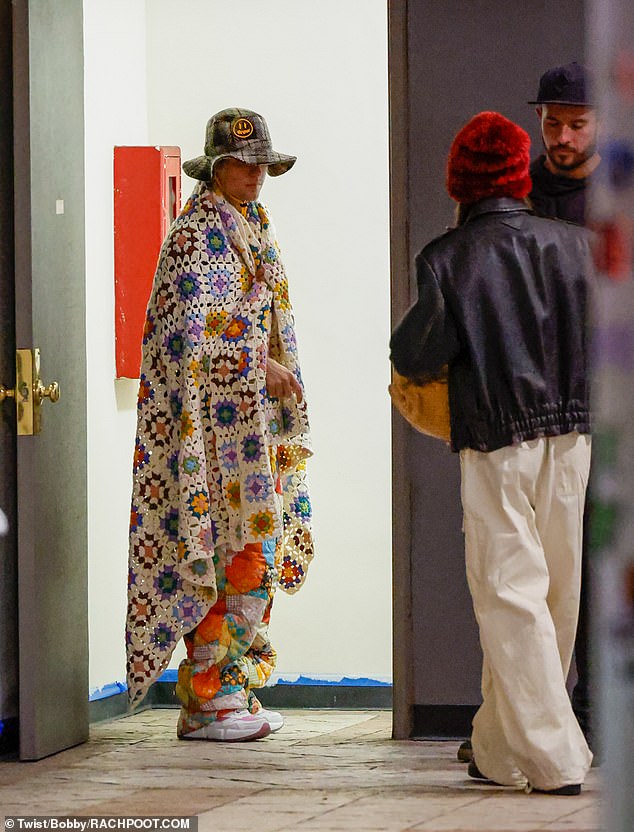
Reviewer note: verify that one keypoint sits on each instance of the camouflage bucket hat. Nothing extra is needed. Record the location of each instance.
(237, 134)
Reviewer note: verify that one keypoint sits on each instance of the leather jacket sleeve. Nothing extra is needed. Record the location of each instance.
(425, 341)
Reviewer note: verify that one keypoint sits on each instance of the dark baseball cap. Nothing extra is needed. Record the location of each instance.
(567, 84)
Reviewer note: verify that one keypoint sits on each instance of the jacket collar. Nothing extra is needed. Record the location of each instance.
(497, 205)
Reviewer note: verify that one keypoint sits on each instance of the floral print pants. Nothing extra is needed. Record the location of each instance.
(229, 652)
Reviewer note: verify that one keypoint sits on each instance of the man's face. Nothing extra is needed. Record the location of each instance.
(240, 180)
(569, 133)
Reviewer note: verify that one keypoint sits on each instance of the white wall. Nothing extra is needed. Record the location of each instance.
(116, 113)
(318, 73)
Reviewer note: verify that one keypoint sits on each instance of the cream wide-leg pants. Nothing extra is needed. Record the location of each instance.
(523, 516)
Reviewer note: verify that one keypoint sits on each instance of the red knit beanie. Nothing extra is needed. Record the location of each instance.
(489, 158)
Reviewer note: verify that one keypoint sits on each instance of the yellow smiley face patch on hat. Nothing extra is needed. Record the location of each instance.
(242, 128)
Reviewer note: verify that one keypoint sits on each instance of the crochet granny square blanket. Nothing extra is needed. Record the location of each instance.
(212, 447)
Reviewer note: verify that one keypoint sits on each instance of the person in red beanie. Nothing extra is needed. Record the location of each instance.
(502, 303)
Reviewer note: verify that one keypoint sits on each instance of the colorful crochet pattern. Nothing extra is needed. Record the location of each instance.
(206, 426)
(229, 652)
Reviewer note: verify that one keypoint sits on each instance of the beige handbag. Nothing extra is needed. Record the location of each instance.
(424, 406)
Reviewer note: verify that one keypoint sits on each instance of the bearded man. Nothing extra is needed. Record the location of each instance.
(569, 129)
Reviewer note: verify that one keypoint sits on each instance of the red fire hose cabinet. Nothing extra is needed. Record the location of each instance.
(147, 197)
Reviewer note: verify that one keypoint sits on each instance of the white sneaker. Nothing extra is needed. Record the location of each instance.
(275, 719)
(236, 726)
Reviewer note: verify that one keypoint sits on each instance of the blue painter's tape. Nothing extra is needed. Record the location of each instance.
(345, 682)
(107, 690)
(170, 675)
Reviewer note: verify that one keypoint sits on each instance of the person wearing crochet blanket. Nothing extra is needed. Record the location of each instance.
(220, 508)
(502, 302)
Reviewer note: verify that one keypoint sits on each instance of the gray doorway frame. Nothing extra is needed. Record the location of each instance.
(400, 293)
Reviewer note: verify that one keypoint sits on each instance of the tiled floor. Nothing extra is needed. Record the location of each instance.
(326, 770)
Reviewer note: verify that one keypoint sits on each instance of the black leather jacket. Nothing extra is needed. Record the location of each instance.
(502, 299)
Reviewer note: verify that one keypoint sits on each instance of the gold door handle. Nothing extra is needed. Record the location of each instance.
(29, 392)
(6, 393)
(51, 391)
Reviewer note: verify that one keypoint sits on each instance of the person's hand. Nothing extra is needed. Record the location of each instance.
(261, 275)
(280, 382)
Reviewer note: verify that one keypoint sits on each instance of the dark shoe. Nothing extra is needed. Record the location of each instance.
(465, 752)
(474, 771)
(573, 789)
